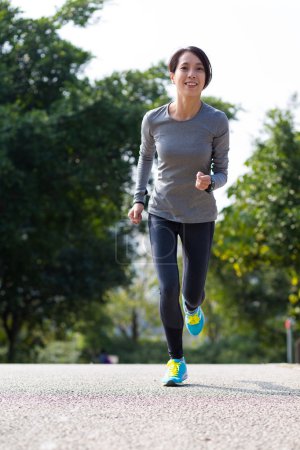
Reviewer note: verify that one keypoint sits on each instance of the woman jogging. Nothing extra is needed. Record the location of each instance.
(191, 139)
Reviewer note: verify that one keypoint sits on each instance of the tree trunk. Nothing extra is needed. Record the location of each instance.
(12, 330)
(134, 325)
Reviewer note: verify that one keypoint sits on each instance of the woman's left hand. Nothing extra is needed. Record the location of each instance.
(202, 181)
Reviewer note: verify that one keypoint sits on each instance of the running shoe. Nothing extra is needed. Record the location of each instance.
(176, 372)
(194, 321)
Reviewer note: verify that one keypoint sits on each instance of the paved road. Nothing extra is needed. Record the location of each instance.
(122, 407)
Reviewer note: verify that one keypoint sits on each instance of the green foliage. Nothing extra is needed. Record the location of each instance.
(235, 349)
(57, 245)
(238, 349)
(256, 250)
(77, 11)
(134, 311)
(37, 67)
(133, 92)
(61, 352)
(266, 200)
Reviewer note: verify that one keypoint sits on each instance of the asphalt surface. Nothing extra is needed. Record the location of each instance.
(120, 407)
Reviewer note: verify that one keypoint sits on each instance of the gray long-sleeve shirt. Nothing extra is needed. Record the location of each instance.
(183, 149)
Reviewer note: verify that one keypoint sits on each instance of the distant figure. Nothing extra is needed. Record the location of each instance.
(191, 139)
(104, 357)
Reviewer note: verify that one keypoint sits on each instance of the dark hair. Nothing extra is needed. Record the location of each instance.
(197, 52)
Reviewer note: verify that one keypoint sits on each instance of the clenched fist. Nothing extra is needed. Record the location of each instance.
(202, 181)
(135, 213)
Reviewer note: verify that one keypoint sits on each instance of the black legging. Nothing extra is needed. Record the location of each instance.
(196, 241)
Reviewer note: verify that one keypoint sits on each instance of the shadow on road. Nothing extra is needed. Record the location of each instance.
(267, 388)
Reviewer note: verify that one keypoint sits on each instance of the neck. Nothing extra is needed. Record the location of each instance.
(185, 108)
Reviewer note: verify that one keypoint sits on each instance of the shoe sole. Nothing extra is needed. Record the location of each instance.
(172, 383)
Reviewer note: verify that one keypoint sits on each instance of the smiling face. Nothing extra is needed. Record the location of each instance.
(189, 76)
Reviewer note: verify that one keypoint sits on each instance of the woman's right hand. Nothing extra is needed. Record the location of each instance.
(135, 213)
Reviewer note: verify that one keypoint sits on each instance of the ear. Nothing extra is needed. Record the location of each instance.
(172, 75)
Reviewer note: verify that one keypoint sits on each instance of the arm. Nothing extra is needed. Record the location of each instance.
(145, 162)
(219, 166)
(220, 153)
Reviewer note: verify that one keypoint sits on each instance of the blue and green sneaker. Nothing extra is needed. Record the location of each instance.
(176, 372)
(194, 320)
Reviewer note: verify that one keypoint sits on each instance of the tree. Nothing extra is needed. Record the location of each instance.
(64, 169)
(256, 252)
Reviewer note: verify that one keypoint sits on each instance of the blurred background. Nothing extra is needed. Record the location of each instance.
(77, 284)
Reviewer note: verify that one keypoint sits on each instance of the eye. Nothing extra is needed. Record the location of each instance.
(184, 68)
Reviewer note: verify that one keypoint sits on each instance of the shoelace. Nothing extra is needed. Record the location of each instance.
(173, 368)
(193, 320)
